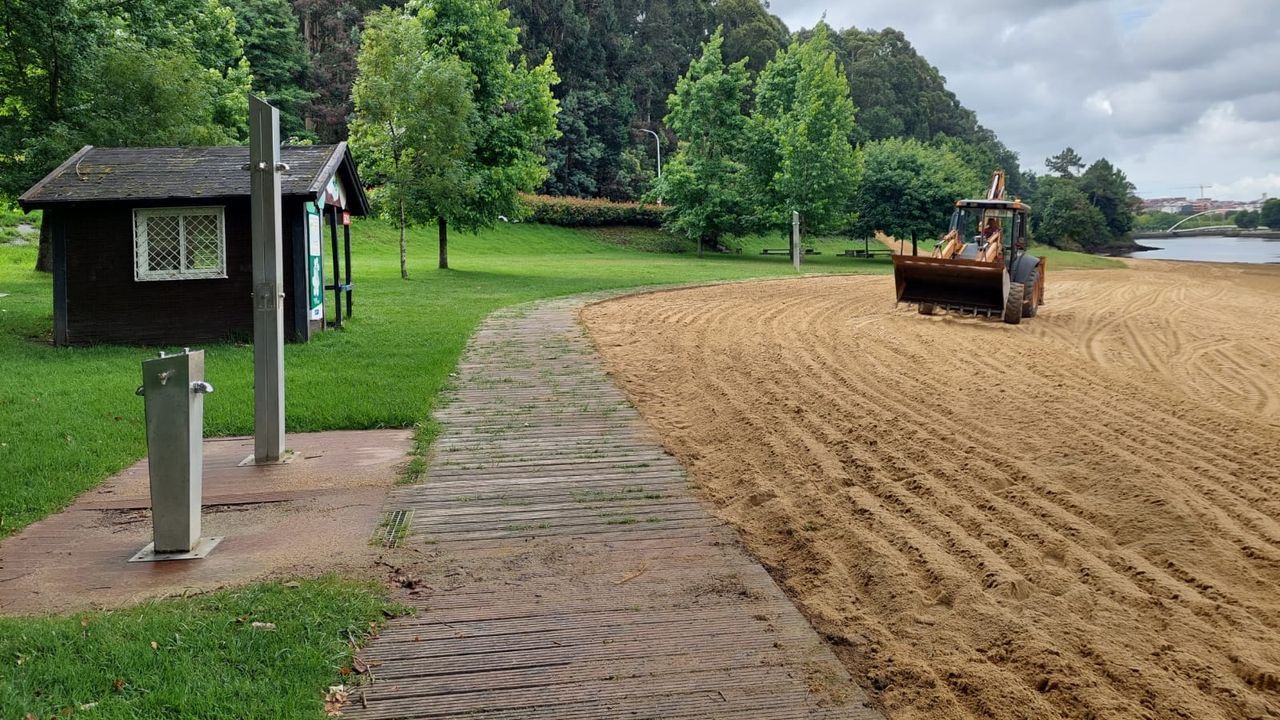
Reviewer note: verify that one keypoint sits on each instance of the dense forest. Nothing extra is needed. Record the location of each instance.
(137, 72)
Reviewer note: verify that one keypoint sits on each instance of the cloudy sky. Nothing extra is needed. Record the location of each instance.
(1176, 92)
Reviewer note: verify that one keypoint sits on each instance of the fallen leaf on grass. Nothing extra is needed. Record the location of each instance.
(155, 645)
(262, 625)
(334, 699)
(118, 685)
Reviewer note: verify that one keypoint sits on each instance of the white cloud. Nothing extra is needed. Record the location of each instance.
(1175, 92)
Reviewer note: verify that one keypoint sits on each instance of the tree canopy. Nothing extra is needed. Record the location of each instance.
(511, 114)
(704, 182)
(802, 121)
(413, 121)
(1065, 163)
(1269, 215)
(909, 187)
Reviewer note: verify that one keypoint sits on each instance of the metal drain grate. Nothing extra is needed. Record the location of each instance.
(393, 529)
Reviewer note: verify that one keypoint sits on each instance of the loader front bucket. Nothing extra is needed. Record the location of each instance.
(961, 285)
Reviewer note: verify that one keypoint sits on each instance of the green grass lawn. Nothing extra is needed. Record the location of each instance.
(197, 657)
(69, 418)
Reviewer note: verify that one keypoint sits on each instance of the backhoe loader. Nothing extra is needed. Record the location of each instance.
(980, 266)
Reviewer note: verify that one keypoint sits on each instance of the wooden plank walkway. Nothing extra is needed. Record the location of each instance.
(572, 574)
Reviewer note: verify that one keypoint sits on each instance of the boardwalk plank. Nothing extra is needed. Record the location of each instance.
(577, 575)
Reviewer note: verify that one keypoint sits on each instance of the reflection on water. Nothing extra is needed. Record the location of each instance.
(1208, 248)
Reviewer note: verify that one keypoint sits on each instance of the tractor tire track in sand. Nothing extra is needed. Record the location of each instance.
(1077, 517)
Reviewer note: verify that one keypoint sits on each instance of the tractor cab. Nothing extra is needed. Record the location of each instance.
(977, 222)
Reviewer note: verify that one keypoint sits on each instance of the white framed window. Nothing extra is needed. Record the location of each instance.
(179, 243)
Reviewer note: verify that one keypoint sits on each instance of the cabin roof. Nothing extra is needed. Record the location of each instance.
(152, 174)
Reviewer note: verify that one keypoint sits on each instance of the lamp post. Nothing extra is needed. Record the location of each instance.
(657, 141)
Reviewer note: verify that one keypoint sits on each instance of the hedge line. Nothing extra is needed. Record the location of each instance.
(577, 212)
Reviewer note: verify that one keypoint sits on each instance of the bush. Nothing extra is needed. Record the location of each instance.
(577, 212)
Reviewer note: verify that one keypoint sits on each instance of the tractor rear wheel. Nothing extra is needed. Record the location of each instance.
(1031, 303)
(1013, 304)
(925, 309)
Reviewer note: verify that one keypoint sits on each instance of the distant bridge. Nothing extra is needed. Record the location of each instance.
(1174, 227)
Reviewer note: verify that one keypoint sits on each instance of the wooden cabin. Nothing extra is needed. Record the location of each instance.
(152, 245)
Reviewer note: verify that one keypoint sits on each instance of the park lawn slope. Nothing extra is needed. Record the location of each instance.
(69, 417)
(194, 657)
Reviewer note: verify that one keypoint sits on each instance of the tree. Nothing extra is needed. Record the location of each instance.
(1247, 219)
(704, 181)
(130, 72)
(514, 117)
(412, 122)
(909, 188)
(1111, 192)
(274, 49)
(1269, 215)
(897, 92)
(1064, 217)
(331, 36)
(750, 32)
(802, 158)
(1064, 163)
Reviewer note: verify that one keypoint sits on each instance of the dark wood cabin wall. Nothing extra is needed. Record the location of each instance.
(106, 305)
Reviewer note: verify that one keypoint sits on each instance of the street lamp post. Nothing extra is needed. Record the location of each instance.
(657, 141)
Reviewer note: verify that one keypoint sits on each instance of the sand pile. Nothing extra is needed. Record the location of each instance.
(1076, 517)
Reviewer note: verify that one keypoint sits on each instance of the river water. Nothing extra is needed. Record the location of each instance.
(1210, 248)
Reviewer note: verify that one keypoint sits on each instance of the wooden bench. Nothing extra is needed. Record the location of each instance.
(787, 251)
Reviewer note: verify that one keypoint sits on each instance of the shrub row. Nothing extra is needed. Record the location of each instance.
(577, 212)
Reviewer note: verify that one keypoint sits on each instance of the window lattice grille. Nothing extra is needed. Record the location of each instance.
(179, 243)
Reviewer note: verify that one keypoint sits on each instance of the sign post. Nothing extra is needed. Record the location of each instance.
(268, 288)
(795, 240)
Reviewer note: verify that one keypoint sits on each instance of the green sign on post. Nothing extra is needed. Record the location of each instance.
(315, 264)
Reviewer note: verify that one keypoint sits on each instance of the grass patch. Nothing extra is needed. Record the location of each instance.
(207, 660)
(69, 418)
(1067, 260)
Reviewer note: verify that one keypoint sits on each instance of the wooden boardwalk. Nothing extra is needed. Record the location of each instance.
(572, 574)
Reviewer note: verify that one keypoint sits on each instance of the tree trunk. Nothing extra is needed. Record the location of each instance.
(44, 255)
(699, 246)
(404, 270)
(444, 242)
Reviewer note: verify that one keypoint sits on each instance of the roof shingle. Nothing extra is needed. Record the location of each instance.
(178, 173)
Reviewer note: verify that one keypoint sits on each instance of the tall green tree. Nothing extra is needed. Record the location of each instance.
(1247, 219)
(909, 188)
(274, 49)
(127, 72)
(413, 120)
(1269, 215)
(802, 158)
(1065, 218)
(750, 32)
(1065, 163)
(1109, 190)
(704, 182)
(589, 39)
(514, 118)
(897, 91)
